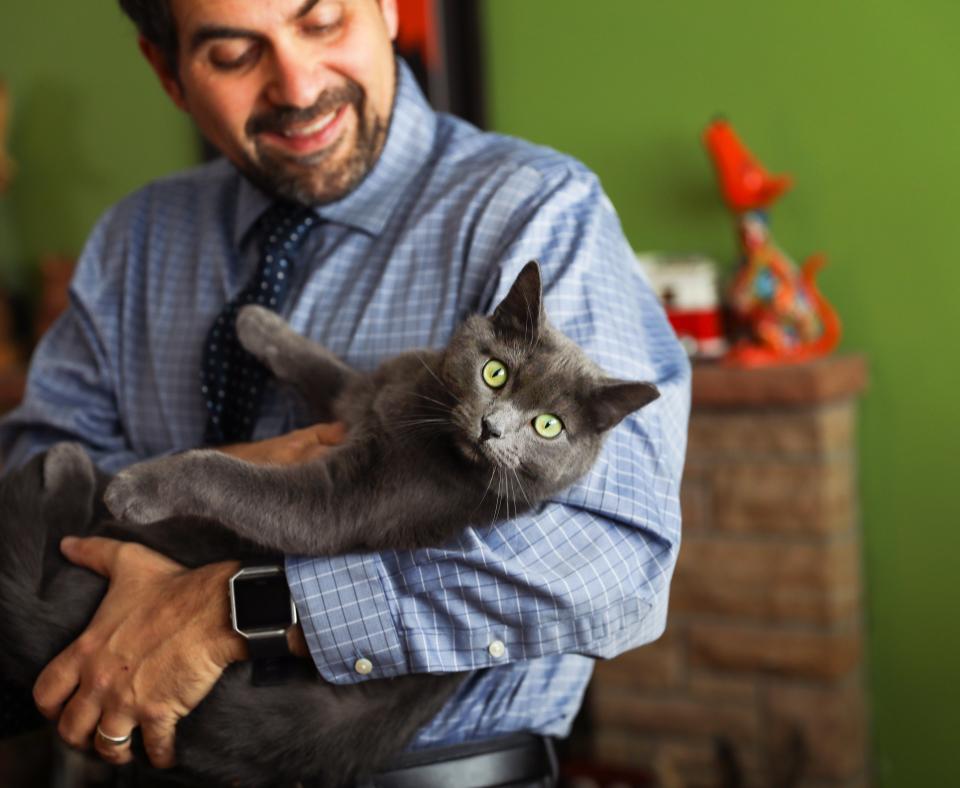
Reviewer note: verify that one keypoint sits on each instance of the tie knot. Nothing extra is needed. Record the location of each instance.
(285, 225)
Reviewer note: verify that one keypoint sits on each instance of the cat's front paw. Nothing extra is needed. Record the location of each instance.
(138, 495)
(258, 329)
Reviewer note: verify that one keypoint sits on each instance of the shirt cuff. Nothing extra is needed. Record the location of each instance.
(347, 617)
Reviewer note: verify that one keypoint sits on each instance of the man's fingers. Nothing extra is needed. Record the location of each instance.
(93, 552)
(313, 442)
(78, 721)
(329, 433)
(158, 740)
(56, 683)
(114, 726)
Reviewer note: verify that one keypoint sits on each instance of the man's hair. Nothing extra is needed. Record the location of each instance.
(154, 19)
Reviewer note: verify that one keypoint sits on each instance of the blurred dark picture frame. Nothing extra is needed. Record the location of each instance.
(442, 42)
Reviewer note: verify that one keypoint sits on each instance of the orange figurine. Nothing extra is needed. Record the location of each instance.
(779, 311)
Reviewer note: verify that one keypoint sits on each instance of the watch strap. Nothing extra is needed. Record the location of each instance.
(271, 672)
(269, 647)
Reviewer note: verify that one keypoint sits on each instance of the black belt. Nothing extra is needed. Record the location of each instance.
(519, 759)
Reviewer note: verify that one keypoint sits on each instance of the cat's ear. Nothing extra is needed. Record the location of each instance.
(612, 400)
(521, 312)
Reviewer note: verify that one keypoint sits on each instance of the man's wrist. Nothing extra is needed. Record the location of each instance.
(297, 641)
(229, 646)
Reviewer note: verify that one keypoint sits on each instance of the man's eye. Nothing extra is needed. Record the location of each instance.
(326, 19)
(229, 58)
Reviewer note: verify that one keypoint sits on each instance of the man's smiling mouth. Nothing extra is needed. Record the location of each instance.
(315, 137)
(313, 127)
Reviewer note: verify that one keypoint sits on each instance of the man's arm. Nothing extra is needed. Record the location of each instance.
(161, 637)
(72, 384)
(589, 572)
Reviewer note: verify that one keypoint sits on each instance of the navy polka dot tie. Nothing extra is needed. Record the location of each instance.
(233, 379)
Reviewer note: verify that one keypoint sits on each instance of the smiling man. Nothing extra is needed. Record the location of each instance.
(401, 221)
(298, 126)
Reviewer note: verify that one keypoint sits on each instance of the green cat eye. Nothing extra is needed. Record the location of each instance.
(547, 425)
(495, 373)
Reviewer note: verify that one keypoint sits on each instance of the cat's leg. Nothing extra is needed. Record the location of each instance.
(289, 509)
(187, 540)
(359, 496)
(314, 371)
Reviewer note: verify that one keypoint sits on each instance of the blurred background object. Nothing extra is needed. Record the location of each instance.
(688, 287)
(11, 368)
(6, 163)
(778, 314)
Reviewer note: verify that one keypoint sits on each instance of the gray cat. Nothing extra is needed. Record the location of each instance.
(509, 414)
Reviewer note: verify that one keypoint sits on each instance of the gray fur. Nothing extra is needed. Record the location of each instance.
(431, 449)
(240, 735)
(415, 469)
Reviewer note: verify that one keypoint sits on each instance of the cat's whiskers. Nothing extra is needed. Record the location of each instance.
(520, 485)
(435, 377)
(496, 512)
(413, 425)
(444, 405)
(493, 472)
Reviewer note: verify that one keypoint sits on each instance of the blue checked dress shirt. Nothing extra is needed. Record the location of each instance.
(439, 229)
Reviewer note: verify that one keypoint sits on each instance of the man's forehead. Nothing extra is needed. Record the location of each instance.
(191, 14)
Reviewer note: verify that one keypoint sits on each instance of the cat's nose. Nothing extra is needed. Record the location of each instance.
(489, 430)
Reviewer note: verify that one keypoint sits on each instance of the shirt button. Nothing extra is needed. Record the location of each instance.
(497, 649)
(363, 666)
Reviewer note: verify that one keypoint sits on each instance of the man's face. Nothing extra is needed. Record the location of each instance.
(296, 93)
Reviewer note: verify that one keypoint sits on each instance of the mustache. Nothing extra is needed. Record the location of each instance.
(277, 120)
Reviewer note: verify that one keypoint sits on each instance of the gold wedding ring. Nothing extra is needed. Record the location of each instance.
(116, 741)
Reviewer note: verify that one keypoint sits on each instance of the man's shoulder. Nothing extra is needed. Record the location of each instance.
(467, 152)
(178, 194)
(158, 220)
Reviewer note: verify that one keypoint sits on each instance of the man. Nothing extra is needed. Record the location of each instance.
(422, 220)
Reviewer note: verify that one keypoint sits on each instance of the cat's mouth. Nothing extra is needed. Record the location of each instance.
(472, 450)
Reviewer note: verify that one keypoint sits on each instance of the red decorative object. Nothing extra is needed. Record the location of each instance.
(744, 182)
(779, 313)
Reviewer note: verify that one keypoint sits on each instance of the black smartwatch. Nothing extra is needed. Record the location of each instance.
(262, 610)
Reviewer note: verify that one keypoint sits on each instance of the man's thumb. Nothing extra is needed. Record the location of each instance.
(90, 552)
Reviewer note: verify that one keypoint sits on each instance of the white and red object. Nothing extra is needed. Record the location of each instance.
(687, 287)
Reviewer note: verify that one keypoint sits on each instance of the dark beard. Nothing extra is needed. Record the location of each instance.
(296, 178)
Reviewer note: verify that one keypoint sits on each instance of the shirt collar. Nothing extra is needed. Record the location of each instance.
(368, 207)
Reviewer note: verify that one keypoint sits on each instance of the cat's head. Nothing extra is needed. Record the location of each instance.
(528, 401)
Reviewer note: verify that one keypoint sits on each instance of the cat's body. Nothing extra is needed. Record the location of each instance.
(240, 734)
(509, 414)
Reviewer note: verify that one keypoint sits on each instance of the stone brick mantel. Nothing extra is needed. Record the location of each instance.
(832, 378)
(763, 654)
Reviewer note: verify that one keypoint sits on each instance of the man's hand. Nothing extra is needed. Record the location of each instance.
(295, 447)
(158, 643)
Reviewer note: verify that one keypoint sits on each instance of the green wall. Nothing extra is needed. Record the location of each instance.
(90, 123)
(860, 100)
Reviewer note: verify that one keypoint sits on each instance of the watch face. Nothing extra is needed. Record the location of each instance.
(262, 602)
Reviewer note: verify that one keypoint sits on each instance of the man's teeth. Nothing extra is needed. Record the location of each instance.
(317, 125)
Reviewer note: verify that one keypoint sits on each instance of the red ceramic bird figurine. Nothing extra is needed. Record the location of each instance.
(779, 312)
(744, 182)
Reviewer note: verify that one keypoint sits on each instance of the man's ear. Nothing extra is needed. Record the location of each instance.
(168, 79)
(391, 16)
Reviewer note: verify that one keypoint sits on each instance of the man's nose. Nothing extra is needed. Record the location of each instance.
(294, 81)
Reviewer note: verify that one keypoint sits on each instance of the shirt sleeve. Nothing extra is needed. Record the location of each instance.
(587, 573)
(71, 388)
